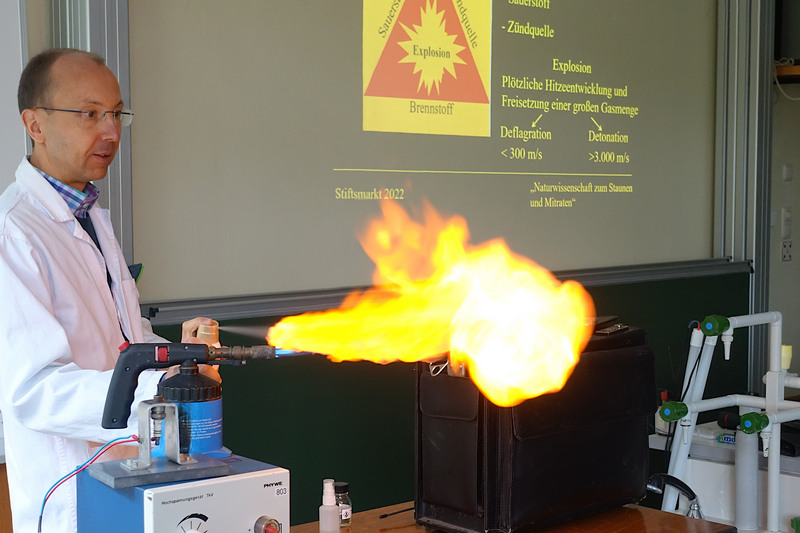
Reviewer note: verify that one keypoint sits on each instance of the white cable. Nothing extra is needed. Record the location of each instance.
(782, 62)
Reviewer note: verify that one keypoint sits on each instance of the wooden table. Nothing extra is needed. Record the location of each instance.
(626, 519)
(5, 503)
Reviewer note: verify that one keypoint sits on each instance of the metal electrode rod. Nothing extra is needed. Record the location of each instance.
(239, 353)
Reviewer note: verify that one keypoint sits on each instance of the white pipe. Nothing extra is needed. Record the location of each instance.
(774, 482)
(785, 416)
(747, 514)
(741, 400)
(732, 400)
(773, 318)
(773, 402)
(775, 394)
(775, 343)
(746, 457)
(698, 385)
(758, 319)
(683, 433)
(788, 381)
(773, 399)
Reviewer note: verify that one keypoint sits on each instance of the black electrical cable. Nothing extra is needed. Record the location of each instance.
(691, 377)
(385, 515)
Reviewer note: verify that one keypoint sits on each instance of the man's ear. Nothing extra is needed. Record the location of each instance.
(33, 127)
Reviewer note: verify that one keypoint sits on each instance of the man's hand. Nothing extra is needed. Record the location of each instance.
(189, 336)
(190, 327)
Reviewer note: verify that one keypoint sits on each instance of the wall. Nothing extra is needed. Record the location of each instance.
(12, 147)
(37, 35)
(12, 138)
(255, 131)
(39, 25)
(784, 276)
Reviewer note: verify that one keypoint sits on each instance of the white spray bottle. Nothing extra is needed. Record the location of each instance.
(328, 511)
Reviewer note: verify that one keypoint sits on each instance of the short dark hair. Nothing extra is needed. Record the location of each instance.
(35, 83)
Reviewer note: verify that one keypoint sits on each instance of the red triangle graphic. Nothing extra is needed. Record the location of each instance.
(394, 79)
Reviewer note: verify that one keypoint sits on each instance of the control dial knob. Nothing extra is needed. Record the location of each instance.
(193, 523)
(265, 524)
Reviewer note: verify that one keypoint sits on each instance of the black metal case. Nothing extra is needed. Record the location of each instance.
(483, 468)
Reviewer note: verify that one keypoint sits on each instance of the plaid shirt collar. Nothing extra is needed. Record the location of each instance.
(79, 201)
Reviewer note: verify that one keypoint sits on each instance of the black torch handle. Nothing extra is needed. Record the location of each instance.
(140, 356)
(132, 361)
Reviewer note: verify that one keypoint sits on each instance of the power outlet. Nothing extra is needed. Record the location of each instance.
(786, 250)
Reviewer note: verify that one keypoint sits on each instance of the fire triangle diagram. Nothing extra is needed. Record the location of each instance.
(426, 56)
(427, 66)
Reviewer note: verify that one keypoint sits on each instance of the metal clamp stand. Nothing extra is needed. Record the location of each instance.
(146, 470)
(150, 415)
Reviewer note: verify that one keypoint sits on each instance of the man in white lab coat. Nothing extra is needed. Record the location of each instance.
(68, 298)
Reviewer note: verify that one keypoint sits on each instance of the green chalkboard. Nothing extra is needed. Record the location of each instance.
(355, 421)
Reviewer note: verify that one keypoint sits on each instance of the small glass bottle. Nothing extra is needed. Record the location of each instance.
(342, 489)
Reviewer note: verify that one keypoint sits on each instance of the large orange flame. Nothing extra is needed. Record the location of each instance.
(517, 331)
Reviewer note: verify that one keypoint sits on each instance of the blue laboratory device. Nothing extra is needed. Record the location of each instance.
(253, 497)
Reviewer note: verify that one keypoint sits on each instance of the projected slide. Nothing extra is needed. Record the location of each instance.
(580, 132)
(428, 69)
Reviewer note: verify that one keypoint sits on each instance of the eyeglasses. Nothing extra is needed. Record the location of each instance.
(95, 117)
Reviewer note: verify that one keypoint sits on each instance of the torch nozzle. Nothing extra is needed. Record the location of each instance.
(263, 351)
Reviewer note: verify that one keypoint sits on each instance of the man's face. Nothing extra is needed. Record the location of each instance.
(67, 146)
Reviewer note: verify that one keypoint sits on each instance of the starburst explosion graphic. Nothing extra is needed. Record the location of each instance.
(432, 50)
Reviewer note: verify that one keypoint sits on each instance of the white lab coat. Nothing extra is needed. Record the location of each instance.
(59, 340)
